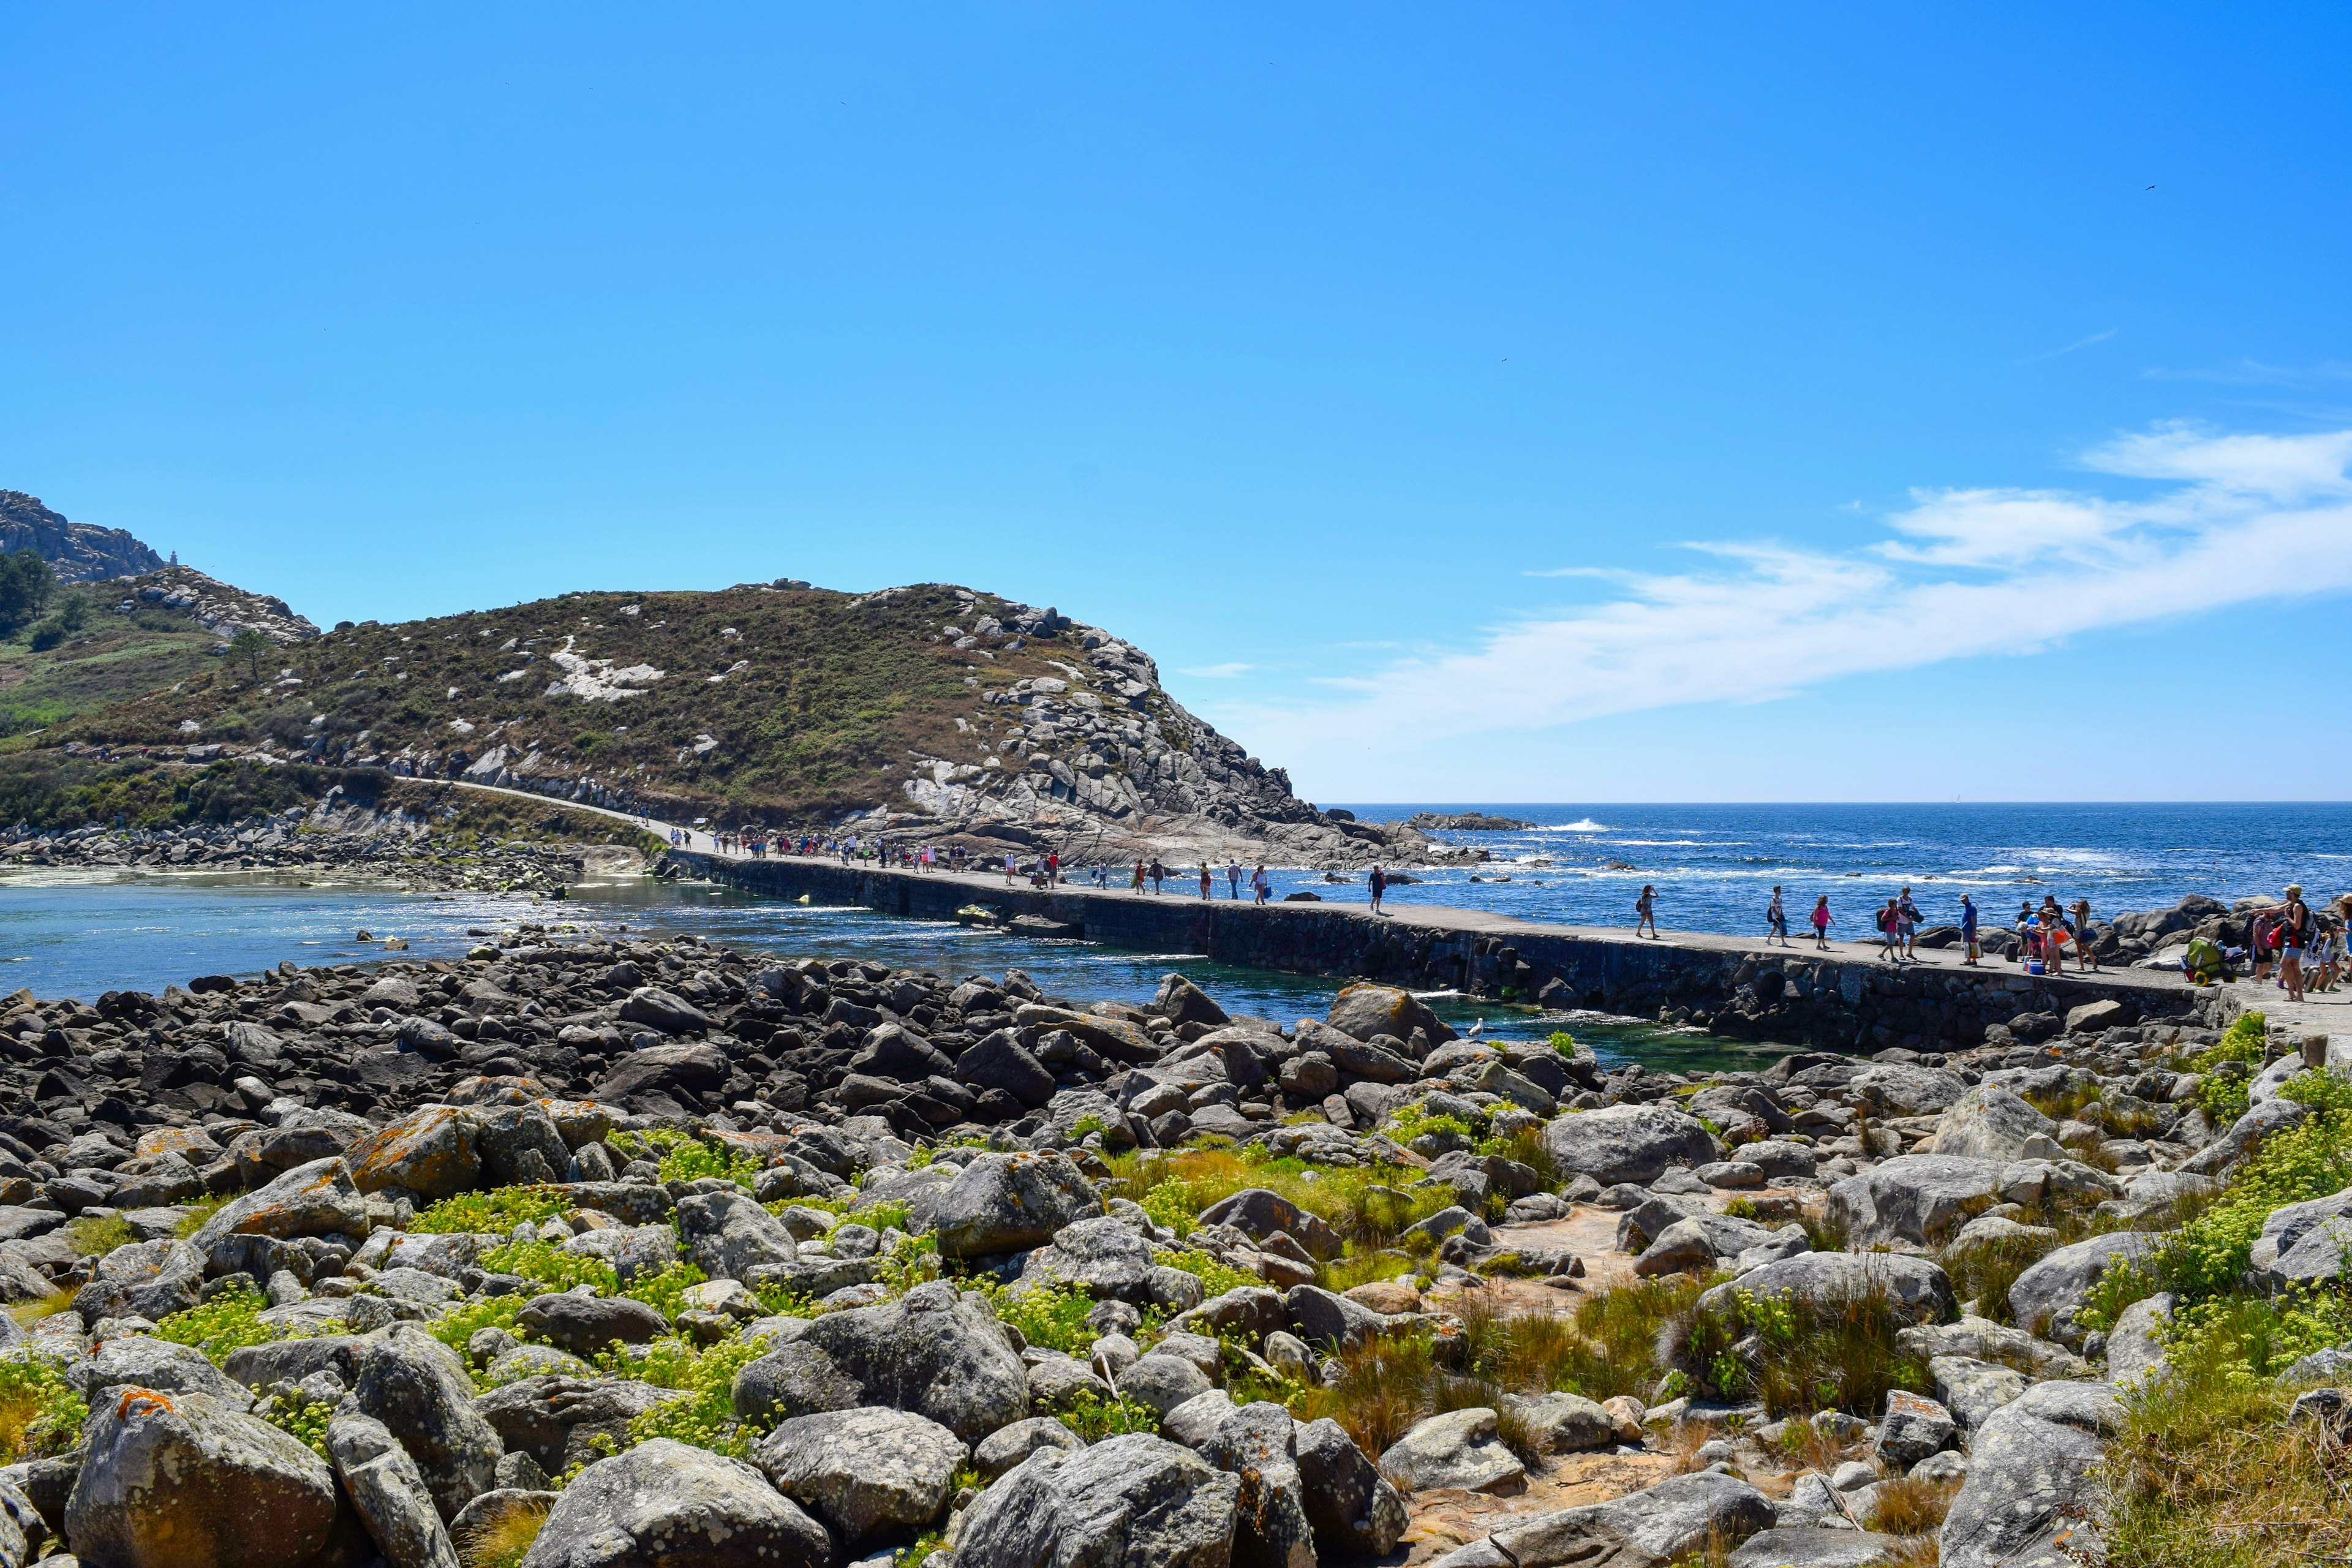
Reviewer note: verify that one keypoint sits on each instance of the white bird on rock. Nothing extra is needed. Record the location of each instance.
(1474, 1030)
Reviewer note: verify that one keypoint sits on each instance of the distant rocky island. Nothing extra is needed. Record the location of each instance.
(1466, 822)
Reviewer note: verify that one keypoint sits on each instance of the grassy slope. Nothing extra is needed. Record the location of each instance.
(117, 658)
(838, 698)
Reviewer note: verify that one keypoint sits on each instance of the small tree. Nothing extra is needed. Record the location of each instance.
(25, 583)
(250, 645)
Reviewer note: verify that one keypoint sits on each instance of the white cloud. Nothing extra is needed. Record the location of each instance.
(1967, 572)
(1220, 671)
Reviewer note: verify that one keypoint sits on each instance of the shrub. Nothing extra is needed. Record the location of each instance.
(1809, 1353)
(1985, 1271)
(95, 1238)
(492, 1213)
(301, 1418)
(1907, 1507)
(40, 1414)
(504, 1538)
(665, 1292)
(706, 1418)
(1627, 1327)
(467, 1318)
(1215, 1278)
(545, 1263)
(227, 1323)
(2206, 1469)
(1093, 1417)
(1052, 1317)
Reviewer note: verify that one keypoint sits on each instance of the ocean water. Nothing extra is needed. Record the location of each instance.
(76, 935)
(1715, 866)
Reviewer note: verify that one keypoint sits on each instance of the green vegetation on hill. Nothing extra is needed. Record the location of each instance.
(790, 701)
(83, 655)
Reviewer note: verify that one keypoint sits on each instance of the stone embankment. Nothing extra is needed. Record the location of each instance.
(1845, 1001)
(352, 841)
(604, 1254)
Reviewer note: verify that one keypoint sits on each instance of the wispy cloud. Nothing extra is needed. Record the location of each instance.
(2070, 348)
(1963, 573)
(1221, 671)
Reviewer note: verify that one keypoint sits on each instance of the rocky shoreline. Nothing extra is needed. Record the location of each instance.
(355, 842)
(588, 1252)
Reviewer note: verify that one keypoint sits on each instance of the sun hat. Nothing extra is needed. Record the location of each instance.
(2294, 889)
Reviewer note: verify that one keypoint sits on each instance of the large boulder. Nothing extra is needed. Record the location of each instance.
(665, 1505)
(634, 1251)
(2045, 1298)
(998, 1061)
(316, 1199)
(389, 1491)
(729, 1233)
(522, 1143)
(1103, 1257)
(587, 1325)
(931, 1352)
(2031, 1472)
(696, 1067)
(159, 1366)
(1354, 1510)
(1917, 1198)
(665, 1010)
(1914, 1287)
(864, 1471)
(432, 1153)
(1678, 1518)
(1990, 1122)
(1896, 1089)
(900, 1055)
(173, 1480)
(151, 1279)
(2305, 1244)
(1621, 1143)
(1133, 1501)
(1364, 1010)
(1456, 1450)
(1259, 1213)
(1180, 1002)
(1257, 1444)
(1010, 1202)
(2230, 1150)
(419, 1389)
(562, 1420)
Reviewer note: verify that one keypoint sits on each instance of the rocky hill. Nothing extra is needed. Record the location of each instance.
(221, 607)
(928, 709)
(76, 552)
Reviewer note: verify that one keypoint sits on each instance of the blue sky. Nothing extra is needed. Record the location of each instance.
(1660, 403)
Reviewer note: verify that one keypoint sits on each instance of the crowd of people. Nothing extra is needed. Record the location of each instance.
(2299, 949)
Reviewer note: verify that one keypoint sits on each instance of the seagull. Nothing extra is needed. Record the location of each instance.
(1474, 1030)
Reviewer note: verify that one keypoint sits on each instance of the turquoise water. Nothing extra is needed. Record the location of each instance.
(78, 937)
